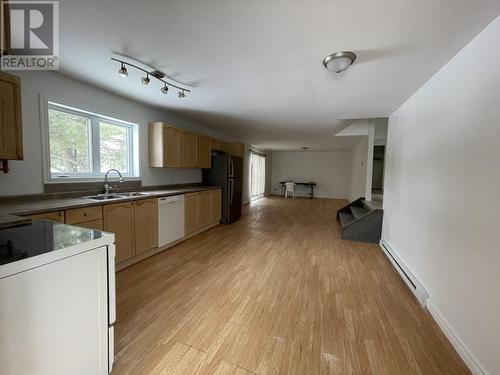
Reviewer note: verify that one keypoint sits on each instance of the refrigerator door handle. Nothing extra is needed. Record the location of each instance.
(231, 167)
(231, 190)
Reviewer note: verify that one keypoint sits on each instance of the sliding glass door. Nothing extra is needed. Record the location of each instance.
(257, 175)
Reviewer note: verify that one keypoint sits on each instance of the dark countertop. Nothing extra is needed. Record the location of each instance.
(8, 220)
(11, 212)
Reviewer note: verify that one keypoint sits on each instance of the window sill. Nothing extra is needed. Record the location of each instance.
(90, 186)
(65, 180)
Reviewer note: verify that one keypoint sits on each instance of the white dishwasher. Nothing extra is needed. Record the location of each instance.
(170, 220)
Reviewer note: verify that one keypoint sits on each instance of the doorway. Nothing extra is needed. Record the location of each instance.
(257, 175)
(378, 172)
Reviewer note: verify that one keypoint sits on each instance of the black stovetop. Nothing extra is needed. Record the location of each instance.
(29, 240)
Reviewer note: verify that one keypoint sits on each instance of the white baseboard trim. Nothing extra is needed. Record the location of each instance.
(470, 360)
(408, 277)
(423, 297)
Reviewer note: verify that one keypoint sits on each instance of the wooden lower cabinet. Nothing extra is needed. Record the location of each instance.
(87, 217)
(205, 208)
(82, 215)
(94, 224)
(135, 225)
(202, 209)
(119, 219)
(191, 212)
(146, 225)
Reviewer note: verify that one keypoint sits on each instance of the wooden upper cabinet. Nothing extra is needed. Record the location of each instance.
(236, 149)
(216, 144)
(178, 148)
(171, 146)
(5, 32)
(191, 212)
(188, 147)
(119, 219)
(224, 146)
(146, 225)
(204, 151)
(163, 145)
(11, 136)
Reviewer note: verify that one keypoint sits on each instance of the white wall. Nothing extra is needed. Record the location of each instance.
(25, 176)
(442, 214)
(331, 170)
(358, 169)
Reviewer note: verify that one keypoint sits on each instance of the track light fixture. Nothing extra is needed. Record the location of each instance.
(123, 71)
(155, 74)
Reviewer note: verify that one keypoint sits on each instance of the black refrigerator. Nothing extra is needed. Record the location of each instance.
(227, 172)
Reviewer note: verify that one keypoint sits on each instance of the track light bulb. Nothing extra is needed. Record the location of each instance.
(146, 80)
(164, 89)
(123, 71)
(181, 94)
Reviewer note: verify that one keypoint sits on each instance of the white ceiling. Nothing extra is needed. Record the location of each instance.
(256, 65)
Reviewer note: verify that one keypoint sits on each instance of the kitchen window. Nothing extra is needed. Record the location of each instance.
(84, 145)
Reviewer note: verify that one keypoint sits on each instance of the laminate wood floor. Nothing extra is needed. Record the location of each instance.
(275, 293)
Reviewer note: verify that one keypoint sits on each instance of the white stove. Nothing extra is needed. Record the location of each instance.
(57, 293)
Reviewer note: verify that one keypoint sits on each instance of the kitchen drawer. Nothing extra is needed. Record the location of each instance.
(94, 224)
(52, 216)
(80, 215)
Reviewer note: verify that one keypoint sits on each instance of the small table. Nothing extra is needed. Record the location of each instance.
(311, 186)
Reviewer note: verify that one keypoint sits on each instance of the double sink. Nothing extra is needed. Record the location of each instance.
(106, 197)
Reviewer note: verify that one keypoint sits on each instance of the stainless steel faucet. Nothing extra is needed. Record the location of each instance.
(107, 187)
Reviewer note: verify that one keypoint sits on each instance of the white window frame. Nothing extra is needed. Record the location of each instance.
(95, 118)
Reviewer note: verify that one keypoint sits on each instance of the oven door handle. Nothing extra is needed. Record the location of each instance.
(111, 285)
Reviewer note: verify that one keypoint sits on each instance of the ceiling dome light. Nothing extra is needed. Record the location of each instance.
(146, 80)
(123, 71)
(181, 94)
(339, 61)
(164, 89)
